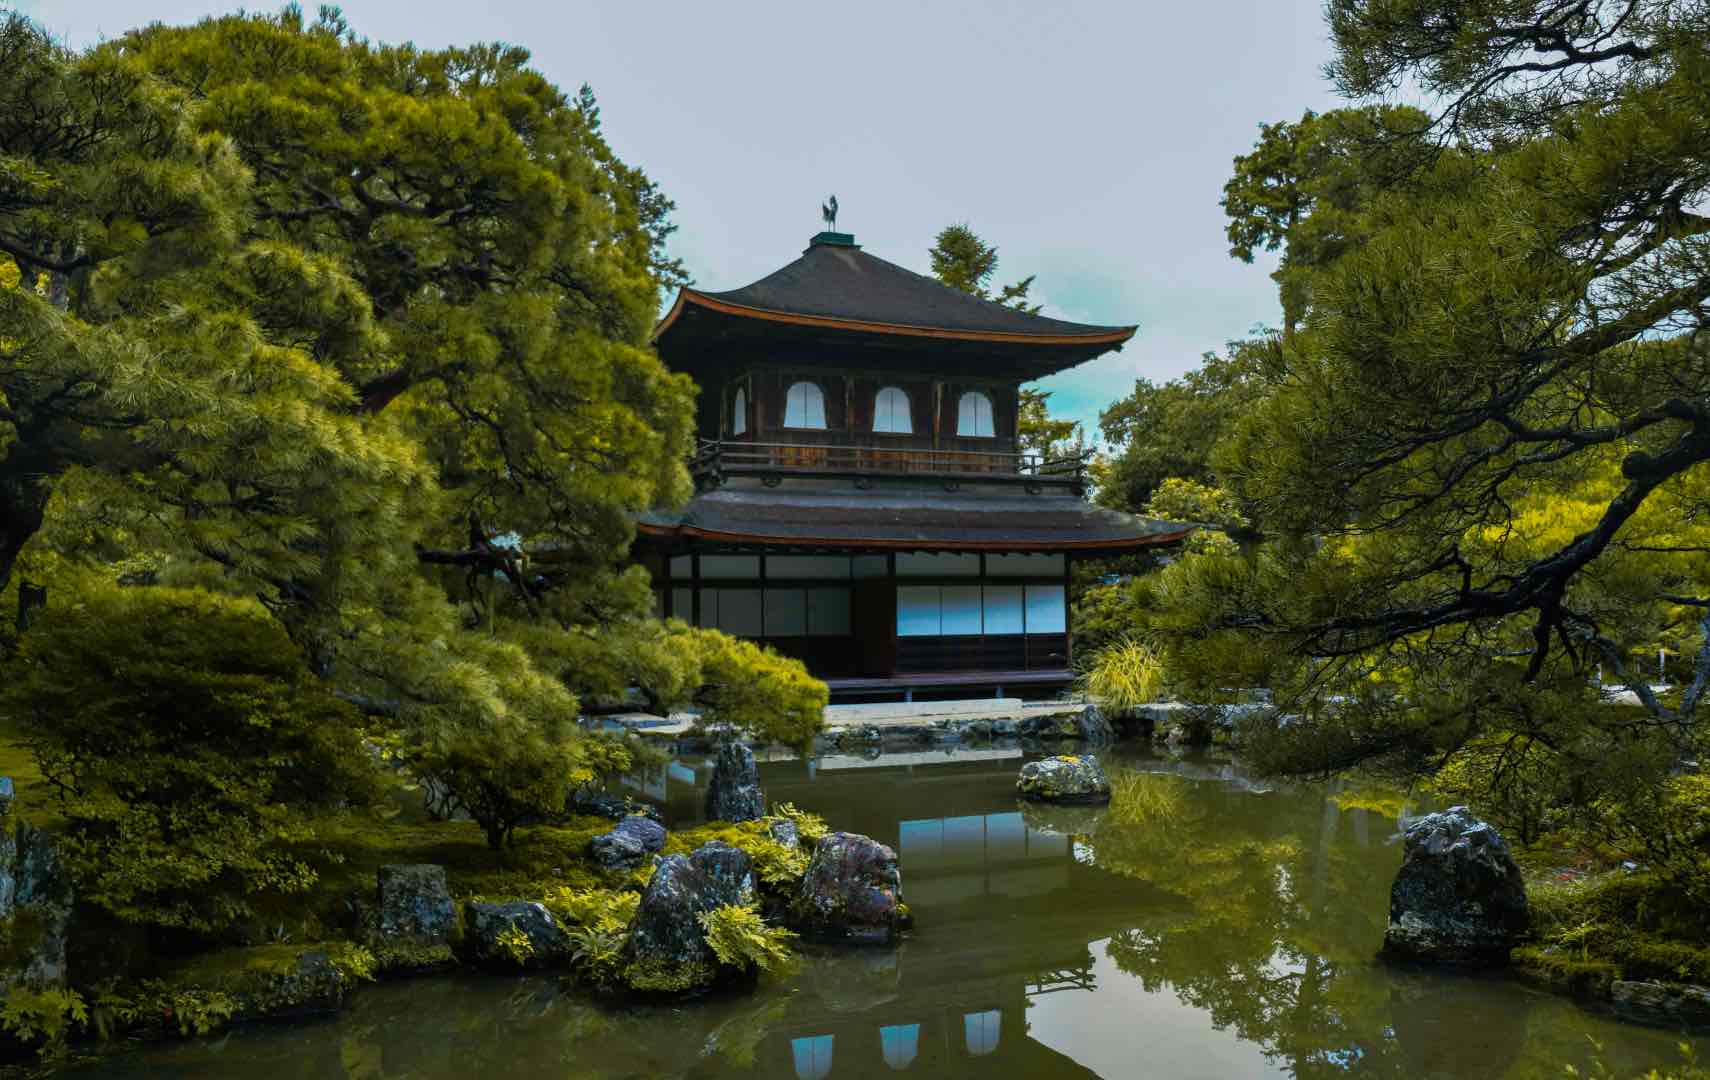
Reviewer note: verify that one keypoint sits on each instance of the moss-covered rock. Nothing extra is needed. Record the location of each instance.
(516, 936)
(667, 949)
(1067, 778)
(275, 982)
(35, 908)
(415, 918)
(852, 891)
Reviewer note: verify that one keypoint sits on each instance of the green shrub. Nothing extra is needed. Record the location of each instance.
(756, 691)
(740, 939)
(188, 750)
(504, 774)
(44, 1018)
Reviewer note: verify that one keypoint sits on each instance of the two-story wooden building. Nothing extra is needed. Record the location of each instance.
(863, 502)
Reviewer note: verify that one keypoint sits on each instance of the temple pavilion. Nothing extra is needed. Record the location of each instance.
(862, 501)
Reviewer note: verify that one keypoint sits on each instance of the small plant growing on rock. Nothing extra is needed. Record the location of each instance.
(597, 950)
(811, 827)
(776, 863)
(607, 908)
(514, 945)
(742, 940)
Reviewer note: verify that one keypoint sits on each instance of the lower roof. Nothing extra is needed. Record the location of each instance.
(912, 519)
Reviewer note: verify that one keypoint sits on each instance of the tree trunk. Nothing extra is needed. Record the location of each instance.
(23, 501)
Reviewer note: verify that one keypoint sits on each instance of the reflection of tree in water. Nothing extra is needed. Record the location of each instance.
(1256, 945)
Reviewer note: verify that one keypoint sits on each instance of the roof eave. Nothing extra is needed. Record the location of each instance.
(694, 532)
(1110, 337)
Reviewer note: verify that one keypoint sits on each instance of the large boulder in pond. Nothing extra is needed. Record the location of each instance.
(852, 891)
(1067, 778)
(630, 842)
(734, 794)
(1084, 722)
(1458, 898)
(667, 949)
(517, 934)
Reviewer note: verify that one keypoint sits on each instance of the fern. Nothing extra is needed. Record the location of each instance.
(811, 826)
(741, 939)
(515, 944)
(596, 951)
(46, 1015)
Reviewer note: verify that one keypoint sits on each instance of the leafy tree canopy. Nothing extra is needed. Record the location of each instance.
(358, 330)
(1480, 467)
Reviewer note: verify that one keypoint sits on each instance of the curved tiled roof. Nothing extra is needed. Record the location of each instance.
(837, 285)
(903, 519)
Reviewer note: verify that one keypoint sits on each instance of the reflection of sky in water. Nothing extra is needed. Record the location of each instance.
(1170, 1039)
(1264, 909)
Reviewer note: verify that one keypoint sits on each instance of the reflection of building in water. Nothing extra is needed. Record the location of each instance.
(1007, 912)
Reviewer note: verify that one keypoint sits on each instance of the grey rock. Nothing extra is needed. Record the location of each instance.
(629, 844)
(1075, 778)
(852, 891)
(414, 906)
(734, 793)
(785, 832)
(548, 944)
(312, 985)
(604, 804)
(666, 936)
(1661, 1003)
(7, 793)
(1083, 722)
(35, 899)
(1459, 898)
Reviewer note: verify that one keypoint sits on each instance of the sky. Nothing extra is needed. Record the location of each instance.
(1089, 142)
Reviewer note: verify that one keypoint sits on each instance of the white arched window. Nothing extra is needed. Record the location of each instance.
(804, 406)
(890, 412)
(739, 412)
(974, 415)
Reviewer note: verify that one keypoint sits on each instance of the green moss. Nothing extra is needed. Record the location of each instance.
(541, 858)
(1587, 978)
(399, 959)
(32, 797)
(659, 977)
(1616, 925)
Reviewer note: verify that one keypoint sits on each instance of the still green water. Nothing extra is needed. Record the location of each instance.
(1204, 926)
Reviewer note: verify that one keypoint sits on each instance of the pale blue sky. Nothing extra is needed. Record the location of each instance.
(1088, 141)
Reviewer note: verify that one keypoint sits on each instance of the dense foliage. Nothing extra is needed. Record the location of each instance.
(1472, 465)
(358, 331)
(190, 750)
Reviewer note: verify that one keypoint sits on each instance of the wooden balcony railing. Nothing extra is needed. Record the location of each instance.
(717, 460)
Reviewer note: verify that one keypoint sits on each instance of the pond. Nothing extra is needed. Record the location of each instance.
(1204, 926)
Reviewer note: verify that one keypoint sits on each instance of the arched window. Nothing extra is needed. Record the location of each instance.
(974, 415)
(890, 412)
(739, 412)
(804, 406)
